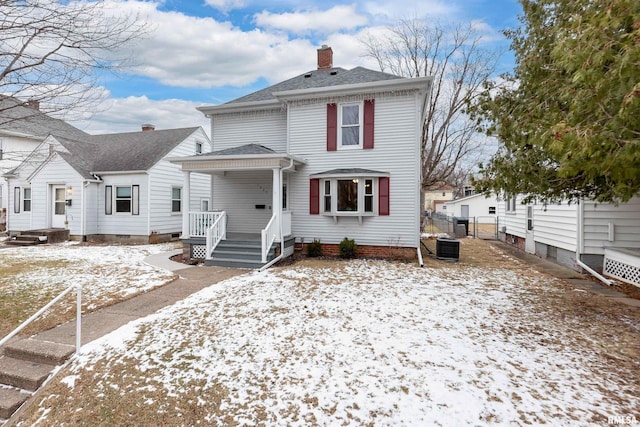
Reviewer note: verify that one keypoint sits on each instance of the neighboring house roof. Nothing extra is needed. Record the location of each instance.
(439, 188)
(315, 79)
(471, 197)
(120, 152)
(18, 119)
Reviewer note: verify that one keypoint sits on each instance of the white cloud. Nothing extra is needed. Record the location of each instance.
(391, 11)
(128, 114)
(343, 17)
(225, 5)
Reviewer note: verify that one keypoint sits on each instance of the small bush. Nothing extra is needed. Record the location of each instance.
(314, 249)
(348, 248)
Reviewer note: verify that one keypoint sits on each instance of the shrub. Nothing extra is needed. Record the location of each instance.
(314, 249)
(348, 248)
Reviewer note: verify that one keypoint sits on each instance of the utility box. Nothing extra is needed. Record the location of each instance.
(447, 249)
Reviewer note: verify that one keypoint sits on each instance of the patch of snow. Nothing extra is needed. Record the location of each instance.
(369, 342)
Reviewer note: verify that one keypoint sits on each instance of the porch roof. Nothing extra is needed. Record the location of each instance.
(244, 157)
(349, 173)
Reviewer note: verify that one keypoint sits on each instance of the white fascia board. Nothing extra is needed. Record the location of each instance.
(351, 175)
(134, 172)
(21, 135)
(418, 83)
(205, 157)
(235, 107)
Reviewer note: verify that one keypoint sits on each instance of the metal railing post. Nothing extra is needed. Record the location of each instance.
(78, 318)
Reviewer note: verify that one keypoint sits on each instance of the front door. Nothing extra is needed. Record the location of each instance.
(58, 209)
(529, 243)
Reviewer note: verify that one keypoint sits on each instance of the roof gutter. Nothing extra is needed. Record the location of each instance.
(131, 172)
(203, 157)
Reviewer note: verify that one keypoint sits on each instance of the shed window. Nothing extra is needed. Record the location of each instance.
(492, 210)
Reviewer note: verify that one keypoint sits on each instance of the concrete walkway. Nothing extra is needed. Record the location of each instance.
(101, 322)
(581, 281)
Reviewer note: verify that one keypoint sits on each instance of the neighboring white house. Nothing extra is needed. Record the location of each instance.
(482, 209)
(599, 236)
(22, 128)
(329, 154)
(113, 187)
(436, 197)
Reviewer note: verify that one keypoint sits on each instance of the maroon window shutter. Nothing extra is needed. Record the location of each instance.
(314, 197)
(367, 133)
(383, 194)
(332, 127)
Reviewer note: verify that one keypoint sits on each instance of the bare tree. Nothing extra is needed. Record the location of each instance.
(53, 52)
(460, 66)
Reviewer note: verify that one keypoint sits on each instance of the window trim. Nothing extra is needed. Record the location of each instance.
(199, 146)
(16, 199)
(116, 198)
(511, 203)
(179, 188)
(334, 196)
(360, 126)
(25, 199)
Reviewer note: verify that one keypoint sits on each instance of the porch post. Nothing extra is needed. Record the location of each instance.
(186, 203)
(276, 203)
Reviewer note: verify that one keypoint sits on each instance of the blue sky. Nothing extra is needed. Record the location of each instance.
(207, 52)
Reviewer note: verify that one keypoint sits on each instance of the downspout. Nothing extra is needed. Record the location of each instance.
(83, 208)
(279, 257)
(580, 247)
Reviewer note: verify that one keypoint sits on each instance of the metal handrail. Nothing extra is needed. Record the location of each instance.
(24, 324)
(216, 233)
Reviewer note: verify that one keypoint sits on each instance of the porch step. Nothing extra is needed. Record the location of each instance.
(244, 253)
(23, 374)
(11, 399)
(33, 350)
(34, 237)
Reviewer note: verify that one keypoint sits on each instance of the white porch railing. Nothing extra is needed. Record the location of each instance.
(199, 222)
(24, 324)
(286, 223)
(216, 233)
(269, 235)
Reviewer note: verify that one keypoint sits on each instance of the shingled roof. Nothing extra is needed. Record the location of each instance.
(18, 117)
(316, 79)
(121, 152)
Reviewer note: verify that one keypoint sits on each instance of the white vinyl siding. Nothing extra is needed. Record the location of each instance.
(242, 195)
(56, 172)
(163, 177)
(396, 152)
(624, 218)
(120, 223)
(268, 128)
(516, 221)
(479, 208)
(556, 225)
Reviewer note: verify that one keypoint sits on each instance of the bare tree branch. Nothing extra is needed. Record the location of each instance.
(460, 66)
(54, 52)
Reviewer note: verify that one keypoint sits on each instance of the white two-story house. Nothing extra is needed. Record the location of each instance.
(328, 154)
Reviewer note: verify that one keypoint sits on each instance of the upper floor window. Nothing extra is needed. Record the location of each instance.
(350, 125)
(350, 122)
(198, 147)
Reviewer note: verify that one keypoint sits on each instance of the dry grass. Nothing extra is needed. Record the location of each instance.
(122, 392)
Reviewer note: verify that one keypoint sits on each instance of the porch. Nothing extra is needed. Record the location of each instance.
(246, 214)
(209, 240)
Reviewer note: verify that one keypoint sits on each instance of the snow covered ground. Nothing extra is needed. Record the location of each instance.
(107, 273)
(369, 342)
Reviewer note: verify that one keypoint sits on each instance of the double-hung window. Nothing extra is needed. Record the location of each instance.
(511, 203)
(176, 199)
(125, 198)
(26, 200)
(350, 126)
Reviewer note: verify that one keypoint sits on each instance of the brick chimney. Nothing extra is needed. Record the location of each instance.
(325, 58)
(35, 104)
(147, 127)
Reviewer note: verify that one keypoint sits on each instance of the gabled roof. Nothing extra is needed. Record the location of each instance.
(120, 152)
(316, 79)
(19, 119)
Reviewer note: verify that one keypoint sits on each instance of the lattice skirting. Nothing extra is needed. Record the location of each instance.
(622, 267)
(198, 251)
